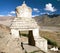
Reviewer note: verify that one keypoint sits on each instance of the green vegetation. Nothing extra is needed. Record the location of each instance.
(53, 38)
(23, 33)
(59, 48)
(32, 52)
(50, 42)
(26, 35)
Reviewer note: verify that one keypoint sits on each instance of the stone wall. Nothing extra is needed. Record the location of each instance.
(39, 41)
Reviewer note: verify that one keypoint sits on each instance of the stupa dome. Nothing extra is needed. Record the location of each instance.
(23, 11)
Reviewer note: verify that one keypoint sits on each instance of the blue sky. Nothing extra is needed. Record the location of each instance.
(39, 7)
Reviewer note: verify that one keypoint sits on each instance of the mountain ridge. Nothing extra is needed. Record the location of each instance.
(48, 20)
(43, 20)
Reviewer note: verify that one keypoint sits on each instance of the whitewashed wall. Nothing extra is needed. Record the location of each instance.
(15, 33)
(39, 41)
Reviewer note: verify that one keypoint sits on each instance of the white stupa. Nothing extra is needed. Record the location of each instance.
(25, 22)
(24, 11)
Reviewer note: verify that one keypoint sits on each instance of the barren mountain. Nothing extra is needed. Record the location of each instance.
(43, 20)
(48, 20)
(6, 20)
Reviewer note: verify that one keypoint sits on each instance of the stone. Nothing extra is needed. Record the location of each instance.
(8, 44)
(14, 46)
(54, 49)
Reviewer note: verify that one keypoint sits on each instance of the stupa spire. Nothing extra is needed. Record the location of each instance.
(23, 2)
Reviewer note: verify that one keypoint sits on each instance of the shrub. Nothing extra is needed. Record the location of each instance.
(26, 35)
(50, 42)
(59, 48)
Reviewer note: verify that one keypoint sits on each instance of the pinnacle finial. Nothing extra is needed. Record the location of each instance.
(23, 2)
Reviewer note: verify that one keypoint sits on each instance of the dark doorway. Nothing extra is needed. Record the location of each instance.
(29, 35)
(31, 40)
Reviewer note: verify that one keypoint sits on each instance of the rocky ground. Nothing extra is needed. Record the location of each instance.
(7, 43)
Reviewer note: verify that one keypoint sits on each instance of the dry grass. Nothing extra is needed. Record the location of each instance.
(53, 36)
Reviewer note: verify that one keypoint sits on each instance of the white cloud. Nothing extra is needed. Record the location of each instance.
(44, 13)
(12, 12)
(5, 15)
(34, 15)
(49, 7)
(36, 9)
(2, 15)
(8, 15)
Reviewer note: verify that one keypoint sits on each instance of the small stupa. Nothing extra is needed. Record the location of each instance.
(25, 22)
